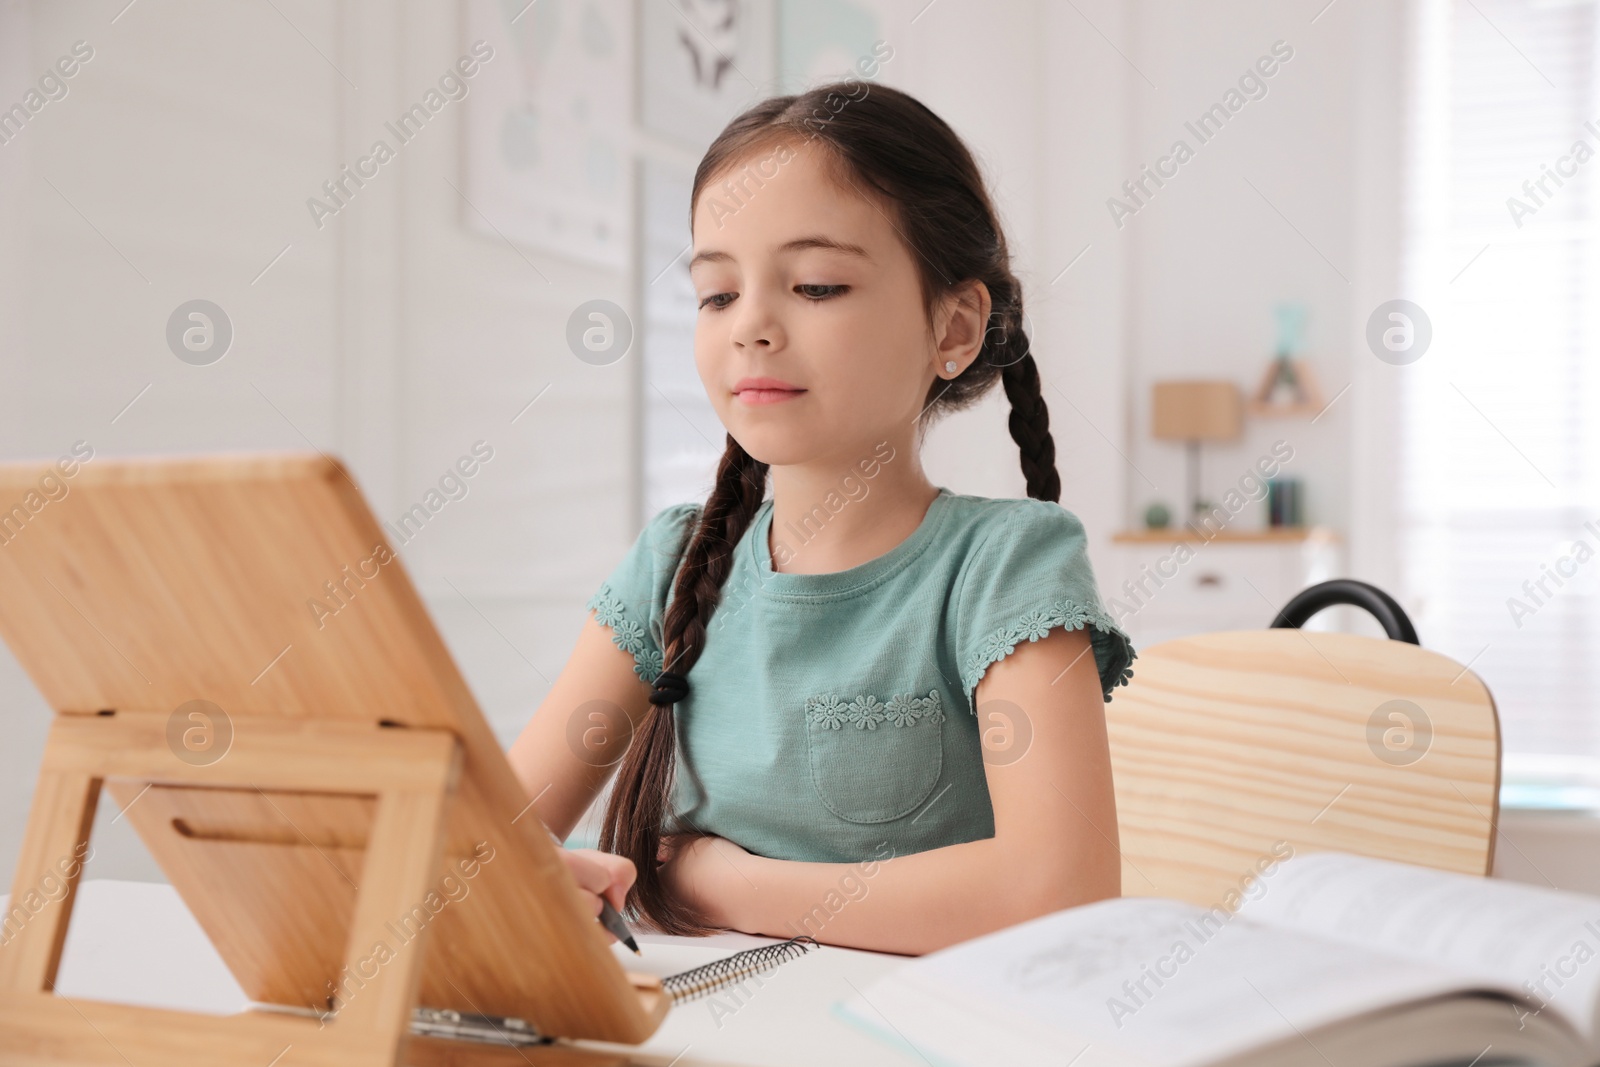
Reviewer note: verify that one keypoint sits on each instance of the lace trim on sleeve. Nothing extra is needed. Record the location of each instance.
(1110, 643)
(626, 634)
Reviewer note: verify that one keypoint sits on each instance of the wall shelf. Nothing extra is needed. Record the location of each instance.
(1283, 411)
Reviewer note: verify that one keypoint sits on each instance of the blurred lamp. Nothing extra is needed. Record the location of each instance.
(1193, 412)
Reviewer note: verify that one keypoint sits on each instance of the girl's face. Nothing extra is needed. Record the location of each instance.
(805, 282)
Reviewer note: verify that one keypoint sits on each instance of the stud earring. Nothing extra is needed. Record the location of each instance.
(950, 366)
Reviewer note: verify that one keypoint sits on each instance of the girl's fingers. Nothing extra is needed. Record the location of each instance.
(592, 902)
(619, 868)
(626, 874)
(601, 874)
(593, 878)
(622, 879)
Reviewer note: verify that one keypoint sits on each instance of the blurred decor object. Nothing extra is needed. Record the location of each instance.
(1157, 517)
(1289, 386)
(824, 40)
(1284, 502)
(699, 65)
(545, 155)
(1192, 412)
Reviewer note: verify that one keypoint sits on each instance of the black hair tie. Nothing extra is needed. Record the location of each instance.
(668, 688)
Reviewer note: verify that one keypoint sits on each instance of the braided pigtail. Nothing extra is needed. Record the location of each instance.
(1006, 355)
(642, 794)
(1030, 419)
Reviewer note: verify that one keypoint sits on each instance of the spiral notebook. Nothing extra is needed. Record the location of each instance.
(680, 988)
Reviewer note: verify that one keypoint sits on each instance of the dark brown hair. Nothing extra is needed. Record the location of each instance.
(890, 147)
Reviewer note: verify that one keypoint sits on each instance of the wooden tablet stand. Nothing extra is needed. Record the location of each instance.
(344, 787)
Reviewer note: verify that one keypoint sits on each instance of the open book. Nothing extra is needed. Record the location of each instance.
(1331, 959)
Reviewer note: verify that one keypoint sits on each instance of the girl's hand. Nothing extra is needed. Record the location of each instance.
(704, 872)
(600, 874)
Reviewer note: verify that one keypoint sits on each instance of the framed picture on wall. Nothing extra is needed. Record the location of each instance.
(700, 63)
(824, 40)
(546, 132)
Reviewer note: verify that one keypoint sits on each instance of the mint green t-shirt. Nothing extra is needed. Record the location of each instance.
(832, 714)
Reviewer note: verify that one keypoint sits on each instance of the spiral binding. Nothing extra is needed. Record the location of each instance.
(731, 970)
(681, 988)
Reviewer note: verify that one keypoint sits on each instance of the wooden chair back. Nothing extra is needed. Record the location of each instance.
(1233, 750)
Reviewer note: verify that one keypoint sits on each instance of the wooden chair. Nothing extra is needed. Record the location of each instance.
(1231, 749)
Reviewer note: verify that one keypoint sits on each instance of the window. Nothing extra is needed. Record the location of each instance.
(1498, 473)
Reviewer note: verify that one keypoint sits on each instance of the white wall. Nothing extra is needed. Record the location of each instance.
(395, 336)
(23, 718)
(1296, 198)
(1263, 212)
(1080, 282)
(1042, 101)
(979, 66)
(1063, 103)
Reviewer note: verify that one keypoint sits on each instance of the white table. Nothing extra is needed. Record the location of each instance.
(137, 943)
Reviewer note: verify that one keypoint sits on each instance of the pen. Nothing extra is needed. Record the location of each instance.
(608, 915)
(614, 922)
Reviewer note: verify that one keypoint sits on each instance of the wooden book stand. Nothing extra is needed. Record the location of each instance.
(234, 652)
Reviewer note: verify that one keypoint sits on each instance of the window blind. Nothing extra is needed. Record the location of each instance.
(1498, 471)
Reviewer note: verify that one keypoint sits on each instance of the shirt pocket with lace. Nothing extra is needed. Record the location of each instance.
(874, 760)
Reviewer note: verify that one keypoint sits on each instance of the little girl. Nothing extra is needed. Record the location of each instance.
(866, 708)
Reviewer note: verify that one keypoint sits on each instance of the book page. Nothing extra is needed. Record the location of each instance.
(1543, 942)
(1144, 980)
